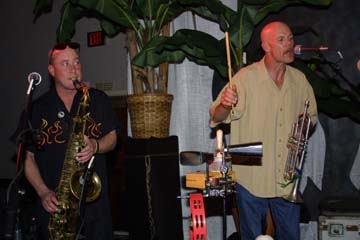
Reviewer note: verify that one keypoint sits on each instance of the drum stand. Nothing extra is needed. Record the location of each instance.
(240, 154)
(216, 187)
(220, 187)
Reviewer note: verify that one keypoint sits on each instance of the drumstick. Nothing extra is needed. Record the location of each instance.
(219, 143)
(228, 56)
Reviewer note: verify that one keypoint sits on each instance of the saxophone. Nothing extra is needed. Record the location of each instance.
(63, 224)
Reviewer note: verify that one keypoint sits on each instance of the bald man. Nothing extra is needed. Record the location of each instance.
(262, 104)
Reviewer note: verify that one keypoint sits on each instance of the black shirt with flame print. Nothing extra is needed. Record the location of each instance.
(54, 122)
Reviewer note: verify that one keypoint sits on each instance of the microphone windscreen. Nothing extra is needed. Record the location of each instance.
(34, 76)
(297, 49)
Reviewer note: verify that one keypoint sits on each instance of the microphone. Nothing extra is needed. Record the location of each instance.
(35, 77)
(298, 49)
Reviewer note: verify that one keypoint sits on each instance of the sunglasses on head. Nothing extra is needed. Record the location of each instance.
(62, 46)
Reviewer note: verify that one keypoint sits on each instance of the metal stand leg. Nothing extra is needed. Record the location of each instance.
(224, 218)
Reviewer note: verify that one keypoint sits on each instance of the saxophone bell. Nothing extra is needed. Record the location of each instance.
(85, 181)
(78, 180)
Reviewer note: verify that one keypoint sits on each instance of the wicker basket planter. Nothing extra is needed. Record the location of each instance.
(150, 115)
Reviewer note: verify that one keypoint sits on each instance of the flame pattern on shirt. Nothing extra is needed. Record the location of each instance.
(54, 133)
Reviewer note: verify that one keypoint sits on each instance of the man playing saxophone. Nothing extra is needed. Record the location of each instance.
(53, 114)
(265, 99)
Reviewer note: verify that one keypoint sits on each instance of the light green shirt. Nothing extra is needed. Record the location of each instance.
(264, 113)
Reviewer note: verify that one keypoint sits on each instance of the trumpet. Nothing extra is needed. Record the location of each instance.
(297, 144)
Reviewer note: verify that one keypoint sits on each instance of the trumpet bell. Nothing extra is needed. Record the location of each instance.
(294, 198)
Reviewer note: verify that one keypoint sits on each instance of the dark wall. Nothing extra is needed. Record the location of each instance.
(18, 41)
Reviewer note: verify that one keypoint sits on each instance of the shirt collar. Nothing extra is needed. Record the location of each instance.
(265, 76)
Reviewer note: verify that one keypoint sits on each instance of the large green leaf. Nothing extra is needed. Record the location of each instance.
(242, 26)
(41, 7)
(119, 12)
(213, 10)
(69, 16)
(145, 17)
(318, 2)
(110, 28)
(196, 46)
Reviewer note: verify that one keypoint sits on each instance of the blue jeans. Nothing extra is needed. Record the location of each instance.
(253, 214)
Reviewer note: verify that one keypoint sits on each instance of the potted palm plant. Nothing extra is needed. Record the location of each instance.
(141, 21)
(151, 48)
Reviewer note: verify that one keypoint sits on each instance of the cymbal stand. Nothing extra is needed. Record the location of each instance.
(221, 187)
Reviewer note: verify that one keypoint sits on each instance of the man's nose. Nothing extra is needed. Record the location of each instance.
(72, 67)
(289, 42)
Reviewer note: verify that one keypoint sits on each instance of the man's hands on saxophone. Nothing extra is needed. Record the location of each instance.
(49, 201)
(48, 197)
(91, 147)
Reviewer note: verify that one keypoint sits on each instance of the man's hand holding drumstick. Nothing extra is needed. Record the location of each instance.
(229, 96)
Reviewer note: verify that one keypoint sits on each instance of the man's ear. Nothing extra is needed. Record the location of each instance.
(51, 70)
(265, 46)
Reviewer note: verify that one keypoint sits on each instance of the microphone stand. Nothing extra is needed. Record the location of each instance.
(86, 177)
(14, 193)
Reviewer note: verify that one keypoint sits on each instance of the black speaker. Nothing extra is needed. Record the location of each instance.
(17, 219)
(152, 186)
(3, 187)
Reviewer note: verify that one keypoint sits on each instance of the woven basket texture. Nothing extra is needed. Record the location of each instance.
(150, 115)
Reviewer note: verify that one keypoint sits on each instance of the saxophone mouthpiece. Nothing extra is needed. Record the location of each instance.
(79, 85)
(75, 80)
